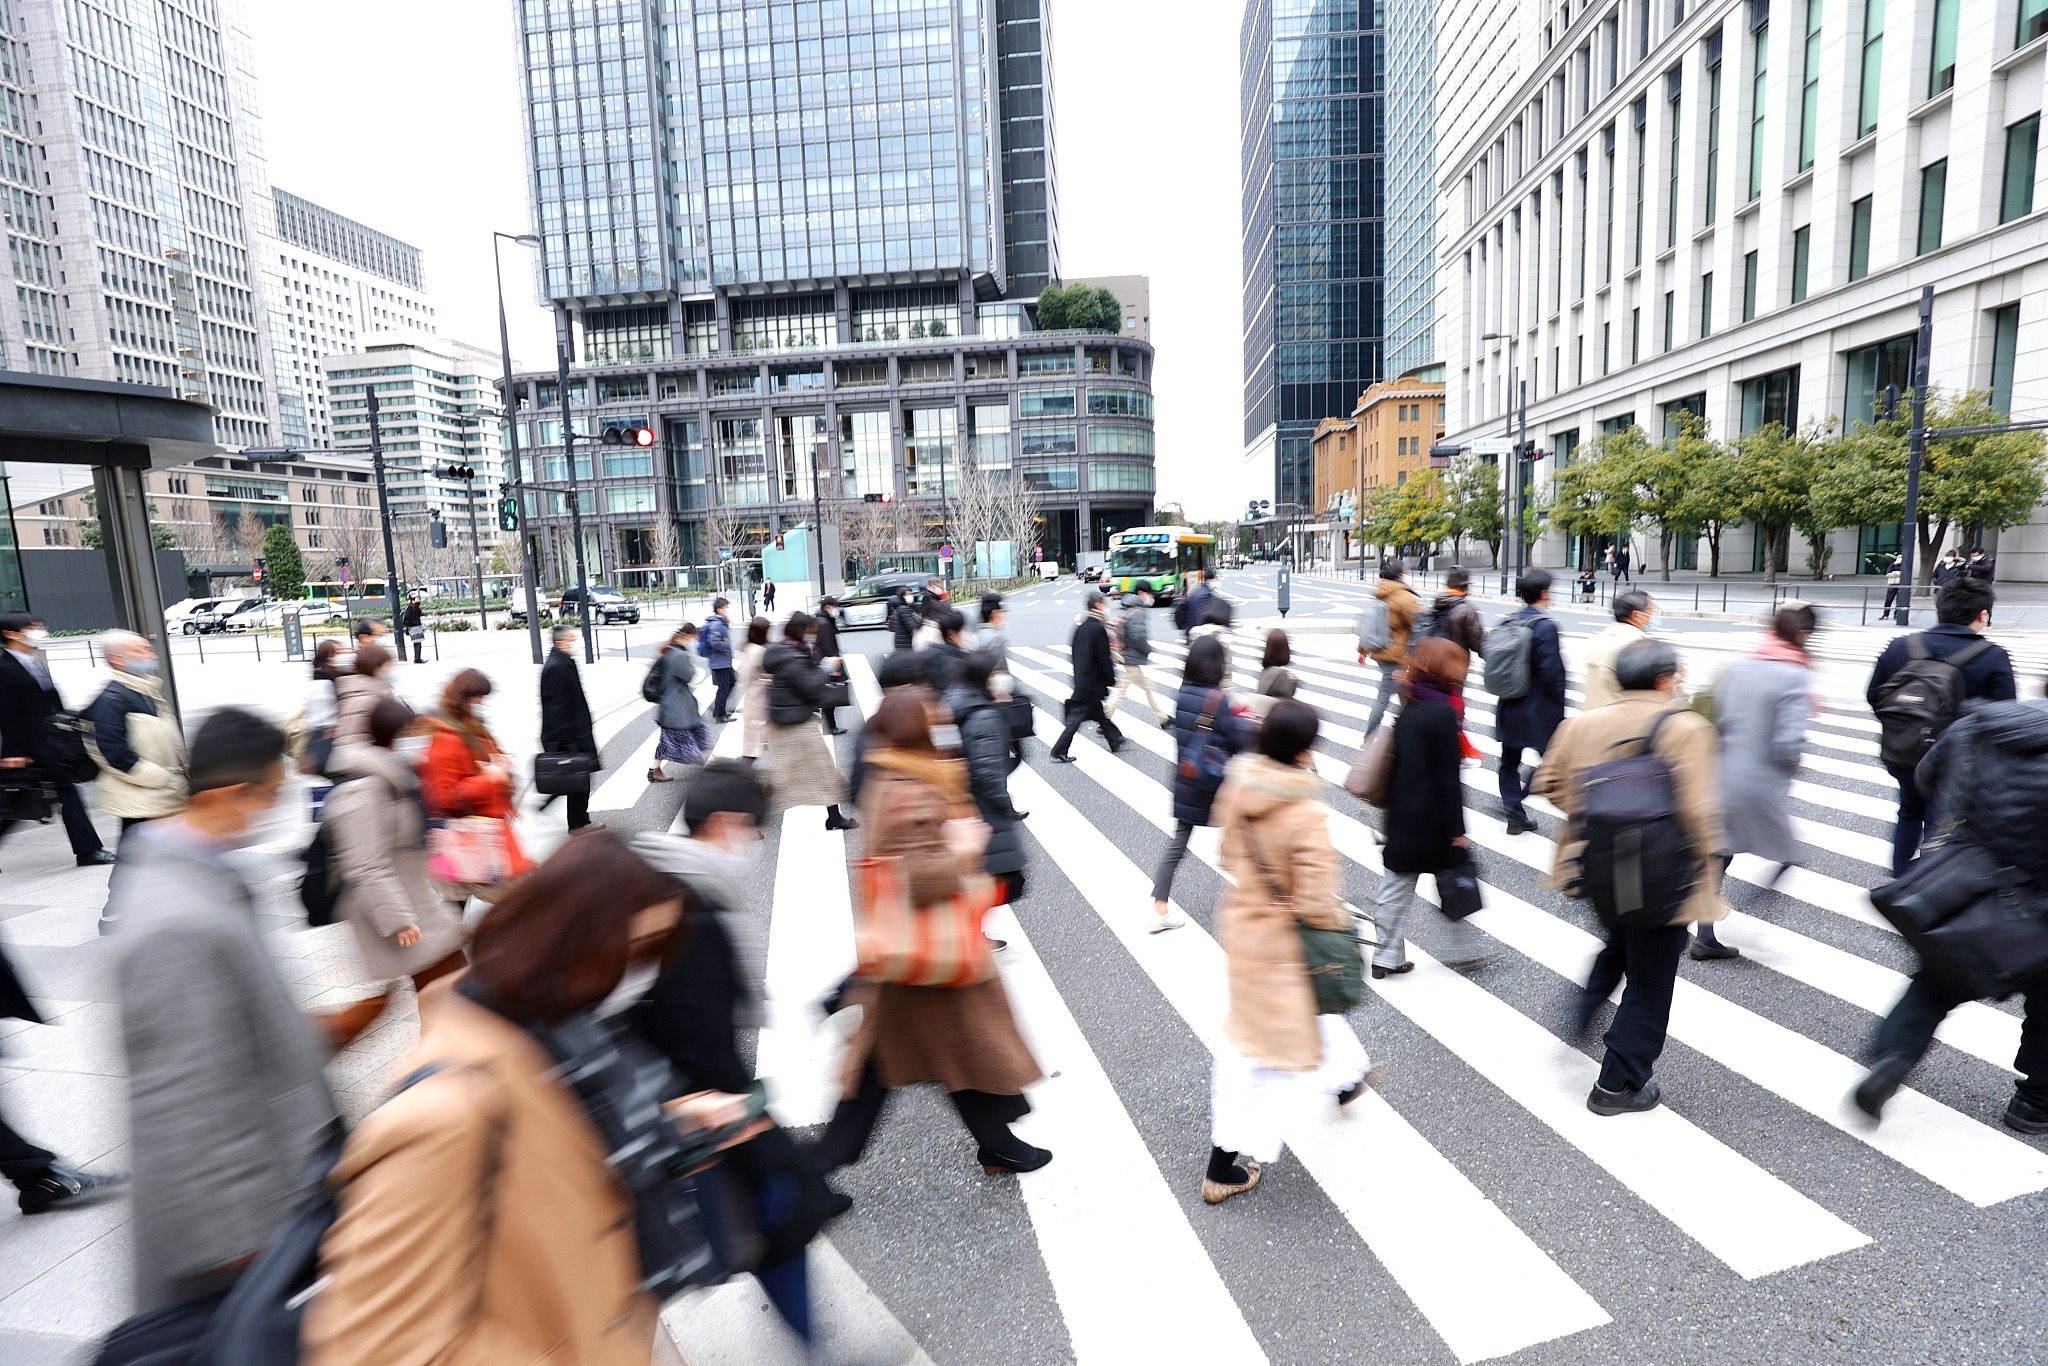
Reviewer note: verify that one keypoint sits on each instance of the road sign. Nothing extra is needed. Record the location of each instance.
(725, 554)
(294, 642)
(945, 552)
(1495, 446)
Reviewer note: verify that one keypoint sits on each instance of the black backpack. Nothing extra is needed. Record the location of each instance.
(320, 886)
(1181, 621)
(1920, 701)
(650, 686)
(65, 752)
(1638, 866)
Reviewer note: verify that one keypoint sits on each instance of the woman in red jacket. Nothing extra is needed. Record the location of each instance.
(465, 773)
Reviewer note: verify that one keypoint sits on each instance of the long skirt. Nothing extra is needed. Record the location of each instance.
(1252, 1109)
(683, 745)
(799, 769)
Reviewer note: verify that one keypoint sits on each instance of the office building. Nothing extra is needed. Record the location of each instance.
(794, 239)
(1311, 102)
(130, 169)
(1410, 171)
(329, 282)
(1730, 209)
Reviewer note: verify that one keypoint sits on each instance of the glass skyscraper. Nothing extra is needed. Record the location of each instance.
(1411, 185)
(1310, 87)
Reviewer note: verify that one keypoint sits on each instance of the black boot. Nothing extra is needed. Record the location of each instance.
(58, 1185)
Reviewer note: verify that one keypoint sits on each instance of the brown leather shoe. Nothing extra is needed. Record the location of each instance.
(346, 1025)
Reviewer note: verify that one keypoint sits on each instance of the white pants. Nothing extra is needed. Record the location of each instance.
(1252, 1109)
(1129, 676)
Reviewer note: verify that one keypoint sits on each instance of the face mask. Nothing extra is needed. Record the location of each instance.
(946, 736)
(36, 636)
(412, 748)
(345, 660)
(1654, 626)
(143, 668)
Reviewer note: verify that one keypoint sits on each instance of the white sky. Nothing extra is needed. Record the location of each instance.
(404, 114)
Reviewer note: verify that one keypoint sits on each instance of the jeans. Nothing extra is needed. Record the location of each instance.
(1169, 862)
(1916, 813)
(1512, 788)
(1909, 1030)
(1078, 712)
(1379, 706)
(1133, 676)
(787, 1284)
(725, 678)
(1391, 904)
(1648, 957)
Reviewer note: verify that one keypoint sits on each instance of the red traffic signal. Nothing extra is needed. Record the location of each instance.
(643, 436)
(628, 434)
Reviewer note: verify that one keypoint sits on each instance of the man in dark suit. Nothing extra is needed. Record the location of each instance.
(825, 654)
(1094, 676)
(1526, 722)
(28, 699)
(565, 726)
(43, 1182)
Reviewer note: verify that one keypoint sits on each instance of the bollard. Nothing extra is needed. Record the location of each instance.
(257, 636)
(1724, 597)
(1695, 595)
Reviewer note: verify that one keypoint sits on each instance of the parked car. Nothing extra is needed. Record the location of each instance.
(867, 607)
(517, 615)
(271, 615)
(178, 613)
(608, 606)
(217, 620)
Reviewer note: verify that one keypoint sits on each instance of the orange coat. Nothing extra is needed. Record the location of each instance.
(453, 783)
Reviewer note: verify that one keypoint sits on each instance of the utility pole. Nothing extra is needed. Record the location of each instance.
(562, 340)
(818, 509)
(1522, 451)
(383, 502)
(1916, 454)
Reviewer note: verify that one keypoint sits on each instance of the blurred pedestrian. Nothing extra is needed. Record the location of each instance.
(798, 767)
(1452, 615)
(487, 1212)
(1526, 720)
(949, 649)
(1647, 955)
(356, 694)
(1283, 1057)
(1622, 554)
(329, 665)
(825, 653)
(714, 642)
(41, 1182)
(565, 725)
(768, 595)
(227, 1101)
(1633, 613)
(403, 926)
(1980, 565)
(904, 669)
(466, 773)
(136, 743)
(1135, 649)
(370, 631)
(703, 999)
(1216, 620)
(1893, 565)
(1208, 733)
(1094, 673)
(904, 620)
(684, 737)
(1762, 703)
(1196, 598)
(28, 699)
(985, 745)
(993, 638)
(1425, 828)
(1400, 605)
(414, 624)
(1276, 680)
(918, 810)
(754, 690)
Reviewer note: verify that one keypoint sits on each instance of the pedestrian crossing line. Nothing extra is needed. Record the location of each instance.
(628, 783)
(1108, 1227)
(727, 745)
(1678, 1191)
(1482, 1284)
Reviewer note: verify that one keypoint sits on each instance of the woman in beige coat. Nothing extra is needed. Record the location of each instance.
(754, 690)
(403, 927)
(1287, 1058)
(356, 693)
(480, 1223)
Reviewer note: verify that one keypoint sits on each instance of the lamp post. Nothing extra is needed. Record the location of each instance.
(383, 500)
(818, 510)
(1516, 551)
(562, 341)
(466, 472)
(512, 437)
(1916, 453)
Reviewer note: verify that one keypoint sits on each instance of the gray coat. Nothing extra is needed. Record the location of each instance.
(1762, 705)
(1137, 629)
(379, 835)
(227, 1102)
(678, 706)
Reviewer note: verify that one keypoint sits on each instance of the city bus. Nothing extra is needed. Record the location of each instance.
(1166, 559)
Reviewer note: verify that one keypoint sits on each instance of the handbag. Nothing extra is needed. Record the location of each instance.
(563, 775)
(26, 794)
(940, 945)
(1371, 775)
(1021, 716)
(1977, 923)
(469, 850)
(1457, 885)
(838, 693)
(1334, 958)
(167, 1336)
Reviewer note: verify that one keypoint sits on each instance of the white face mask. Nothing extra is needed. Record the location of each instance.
(36, 635)
(412, 748)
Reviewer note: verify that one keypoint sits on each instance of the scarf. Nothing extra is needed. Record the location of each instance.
(949, 776)
(1782, 651)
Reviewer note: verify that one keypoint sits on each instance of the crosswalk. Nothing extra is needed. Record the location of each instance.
(1471, 1210)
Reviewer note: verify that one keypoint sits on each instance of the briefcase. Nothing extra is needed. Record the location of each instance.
(1022, 716)
(1977, 923)
(27, 795)
(563, 775)
(838, 693)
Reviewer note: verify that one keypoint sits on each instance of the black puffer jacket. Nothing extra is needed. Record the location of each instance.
(1192, 802)
(796, 685)
(2009, 739)
(985, 739)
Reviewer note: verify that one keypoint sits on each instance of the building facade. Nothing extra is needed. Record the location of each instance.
(1732, 210)
(1398, 421)
(1410, 171)
(1312, 117)
(329, 282)
(1334, 458)
(130, 173)
(787, 236)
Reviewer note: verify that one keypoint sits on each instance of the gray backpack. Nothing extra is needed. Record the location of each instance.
(1375, 631)
(1511, 658)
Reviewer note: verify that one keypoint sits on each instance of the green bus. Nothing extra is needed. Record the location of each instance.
(1166, 559)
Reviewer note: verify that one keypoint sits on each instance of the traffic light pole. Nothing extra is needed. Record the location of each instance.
(476, 551)
(818, 512)
(383, 503)
(562, 340)
(511, 410)
(1916, 455)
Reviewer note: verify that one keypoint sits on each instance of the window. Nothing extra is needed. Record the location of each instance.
(1933, 190)
(1872, 369)
(2033, 21)
(1118, 440)
(1046, 363)
(735, 382)
(639, 498)
(988, 367)
(1707, 304)
(1046, 403)
(867, 457)
(1802, 252)
(799, 441)
(1052, 478)
(1119, 476)
(928, 462)
(1859, 238)
(1713, 125)
(792, 381)
(1049, 441)
(2005, 349)
(1607, 190)
(1606, 336)
(1119, 403)
(1563, 446)
(1873, 66)
(1941, 72)
(1670, 317)
(988, 435)
(741, 459)
(1761, 45)
(1771, 398)
(870, 375)
(1579, 280)
(1749, 287)
(1635, 335)
(925, 370)
(2022, 144)
(1695, 404)
(1809, 85)
(1672, 91)
(1641, 117)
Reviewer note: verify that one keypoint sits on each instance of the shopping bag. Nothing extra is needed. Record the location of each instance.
(470, 851)
(921, 946)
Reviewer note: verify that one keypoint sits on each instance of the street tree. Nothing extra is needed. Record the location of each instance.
(1472, 487)
(1775, 470)
(1375, 517)
(1976, 483)
(1580, 504)
(284, 567)
(1715, 487)
(1652, 484)
(1420, 513)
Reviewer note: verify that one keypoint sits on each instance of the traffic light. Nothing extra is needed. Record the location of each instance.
(778, 540)
(437, 533)
(874, 498)
(628, 434)
(508, 513)
(459, 472)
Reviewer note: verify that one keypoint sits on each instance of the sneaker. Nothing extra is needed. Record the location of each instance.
(2025, 1117)
(1627, 1101)
(1172, 920)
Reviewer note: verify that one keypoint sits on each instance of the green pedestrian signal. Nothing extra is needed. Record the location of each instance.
(508, 513)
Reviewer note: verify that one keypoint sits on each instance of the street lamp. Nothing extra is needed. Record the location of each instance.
(512, 436)
(818, 449)
(1516, 551)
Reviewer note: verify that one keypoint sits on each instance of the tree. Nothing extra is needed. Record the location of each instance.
(1651, 484)
(1375, 518)
(1078, 307)
(91, 537)
(1716, 488)
(1472, 488)
(1775, 470)
(1172, 514)
(1420, 514)
(285, 569)
(1975, 482)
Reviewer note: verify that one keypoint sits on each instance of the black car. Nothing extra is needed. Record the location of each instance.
(869, 603)
(608, 606)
